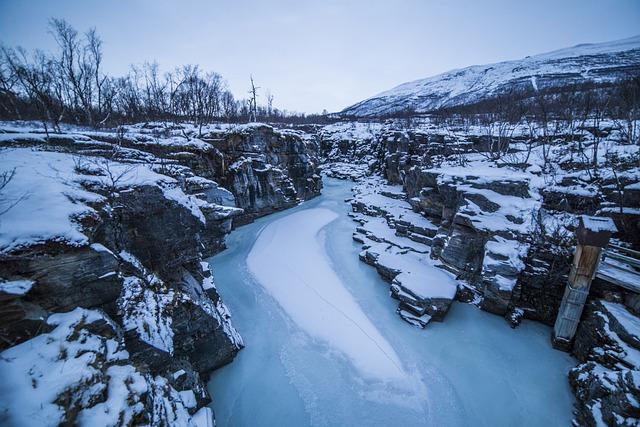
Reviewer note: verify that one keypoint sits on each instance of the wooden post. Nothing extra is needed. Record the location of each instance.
(593, 235)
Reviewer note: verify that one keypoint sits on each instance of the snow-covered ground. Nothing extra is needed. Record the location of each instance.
(48, 196)
(74, 361)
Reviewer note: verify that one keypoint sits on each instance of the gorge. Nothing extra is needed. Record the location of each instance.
(402, 262)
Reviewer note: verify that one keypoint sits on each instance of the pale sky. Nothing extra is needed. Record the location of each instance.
(328, 54)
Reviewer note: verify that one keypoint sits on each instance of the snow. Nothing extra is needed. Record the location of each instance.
(147, 312)
(190, 202)
(627, 320)
(596, 224)
(47, 185)
(295, 271)
(98, 247)
(188, 398)
(427, 282)
(203, 418)
(629, 354)
(377, 229)
(217, 310)
(122, 380)
(42, 188)
(416, 273)
(72, 368)
(468, 85)
(16, 287)
(35, 372)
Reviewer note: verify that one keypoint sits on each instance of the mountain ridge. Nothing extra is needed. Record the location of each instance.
(598, 63)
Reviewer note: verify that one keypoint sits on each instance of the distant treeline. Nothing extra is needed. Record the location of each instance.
(70, 86)
(619, 100)
(614, 100)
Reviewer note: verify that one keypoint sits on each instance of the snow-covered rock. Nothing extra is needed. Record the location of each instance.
(504, 227)
(95, 228)
(607, 382)
(80, 373)
(400, 256)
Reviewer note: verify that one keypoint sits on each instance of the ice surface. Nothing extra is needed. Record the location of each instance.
(472, 369)
(293, 268)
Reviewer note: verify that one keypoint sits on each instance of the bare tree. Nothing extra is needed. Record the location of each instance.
(229, 106)
(74, 72)
(627, 110)
(543, 117)
(93, 65)
(253, 105)
(36, 76)
(8, 82)
(269, 97)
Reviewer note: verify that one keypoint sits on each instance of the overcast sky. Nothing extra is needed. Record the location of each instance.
(328, 54)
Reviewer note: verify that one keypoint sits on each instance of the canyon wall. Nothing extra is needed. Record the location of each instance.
(103, 262)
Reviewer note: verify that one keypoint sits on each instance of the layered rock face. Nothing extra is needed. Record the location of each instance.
(102, 264)
(506, 231)
(112, 288)
(607, 382)
(266, 169)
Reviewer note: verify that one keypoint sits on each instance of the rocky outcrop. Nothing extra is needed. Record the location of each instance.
(80, 372)
(396, 241)
(266, 169)
(145, 205)
(255, 167)
(484, 226)
(504, 228)
(607, 382)
(113, 282)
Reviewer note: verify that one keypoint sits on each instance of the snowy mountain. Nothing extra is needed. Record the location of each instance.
(584, 63)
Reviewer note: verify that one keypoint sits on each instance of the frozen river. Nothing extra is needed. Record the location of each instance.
(325, 347)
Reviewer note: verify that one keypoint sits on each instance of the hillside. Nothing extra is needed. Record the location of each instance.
(598, 63)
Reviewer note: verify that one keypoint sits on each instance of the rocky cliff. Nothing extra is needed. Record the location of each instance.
(102, 267)
(501, 230)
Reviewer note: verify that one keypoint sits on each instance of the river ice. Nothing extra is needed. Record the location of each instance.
(324, 345)
(289, 260)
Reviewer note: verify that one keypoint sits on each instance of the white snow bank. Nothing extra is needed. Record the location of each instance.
(16, 287)
(37, 371)
(48, 199)
(45, 197)
(73, 368)
(290, 263)
(598, 224)
(416, 274)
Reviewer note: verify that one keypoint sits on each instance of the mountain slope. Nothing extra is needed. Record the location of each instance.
(585, 63)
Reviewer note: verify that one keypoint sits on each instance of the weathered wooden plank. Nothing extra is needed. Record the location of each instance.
(629, 260)
(628, 251)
